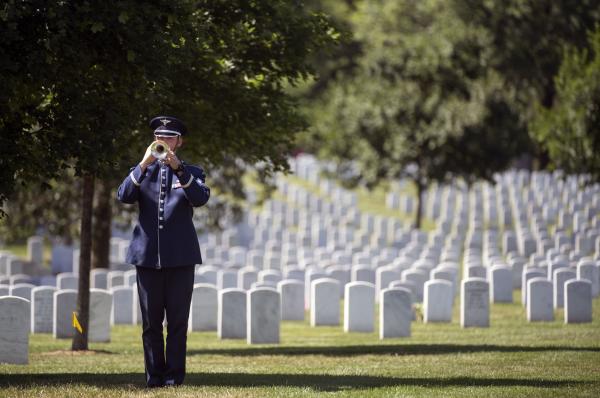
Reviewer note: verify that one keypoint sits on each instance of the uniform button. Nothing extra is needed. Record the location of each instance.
(160, 227)
(160, 218)
(162, 201)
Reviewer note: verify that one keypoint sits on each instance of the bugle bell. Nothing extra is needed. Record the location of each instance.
(159, 149)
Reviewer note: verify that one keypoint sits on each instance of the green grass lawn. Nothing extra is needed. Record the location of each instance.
(511, 358)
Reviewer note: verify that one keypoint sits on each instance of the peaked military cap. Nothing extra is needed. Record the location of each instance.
(167, 126)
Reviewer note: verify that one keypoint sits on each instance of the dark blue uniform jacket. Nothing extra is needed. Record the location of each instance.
(164, 235)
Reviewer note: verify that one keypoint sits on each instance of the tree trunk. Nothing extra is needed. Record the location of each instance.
(102, 224)
(80, 340)
(418, 217)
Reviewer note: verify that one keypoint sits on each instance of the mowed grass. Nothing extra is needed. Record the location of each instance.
(511, 358)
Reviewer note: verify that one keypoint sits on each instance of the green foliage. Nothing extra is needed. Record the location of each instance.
(55, 209)
(525, 39)
(80, 80)
(447, 87)
(421, 96)
(570, 129)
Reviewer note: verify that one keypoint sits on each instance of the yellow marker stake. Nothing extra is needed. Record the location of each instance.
(76, 324)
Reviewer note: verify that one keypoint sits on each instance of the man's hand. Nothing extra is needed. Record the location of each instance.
(172, 160)
(148, 159)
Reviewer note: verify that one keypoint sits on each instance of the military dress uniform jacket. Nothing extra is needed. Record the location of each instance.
(165, 235)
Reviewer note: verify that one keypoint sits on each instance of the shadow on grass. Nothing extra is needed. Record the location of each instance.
(322, 382)
(399, 349)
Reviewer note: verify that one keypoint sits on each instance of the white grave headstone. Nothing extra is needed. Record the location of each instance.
(325, 303)
(475, 303)
(578, 301)
(122, 306)
(438, 300)
(561, 276)
(359, 307)
(205, 306)
(100, 309)
(501, 284)
(292, 299)
(64, 304)
(42, 299)
(539, 300)
(395, 313)
(263, 316)
(231, 316)
(14, 329)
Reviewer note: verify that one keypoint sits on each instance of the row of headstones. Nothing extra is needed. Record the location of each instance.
(524, 247)
(100, 278)
(230, 311)
(360, 298)
(414, 275)
(274, 253)
(248, 278)
(64, 258)
(276, 257)
(121, 310)
(260, 312)
(434, 195)
(50, 311)
(13, 265)
(255, 314)
(584, 246)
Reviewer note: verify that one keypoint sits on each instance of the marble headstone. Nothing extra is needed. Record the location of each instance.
(64, 304)
(325, 304)
(231, 321)
(475, 303)
(438, 300)
(67, 280)
(395, 312)
(359, 307)
(22, 290)
(100, 309)
(42, 299)
(501, 284)
(122, 306)
(578, 301)
(203, 312)
(539, 300)
(292, 299)
(14, 329)
(263, 316)
(561, 275)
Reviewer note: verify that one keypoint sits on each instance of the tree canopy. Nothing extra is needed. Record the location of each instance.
(570, 129)
(80, 81)
(420, 101)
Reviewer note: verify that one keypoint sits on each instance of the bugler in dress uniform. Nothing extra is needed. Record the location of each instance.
(165, 249)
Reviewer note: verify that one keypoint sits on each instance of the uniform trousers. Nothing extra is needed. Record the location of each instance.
(165, 291)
